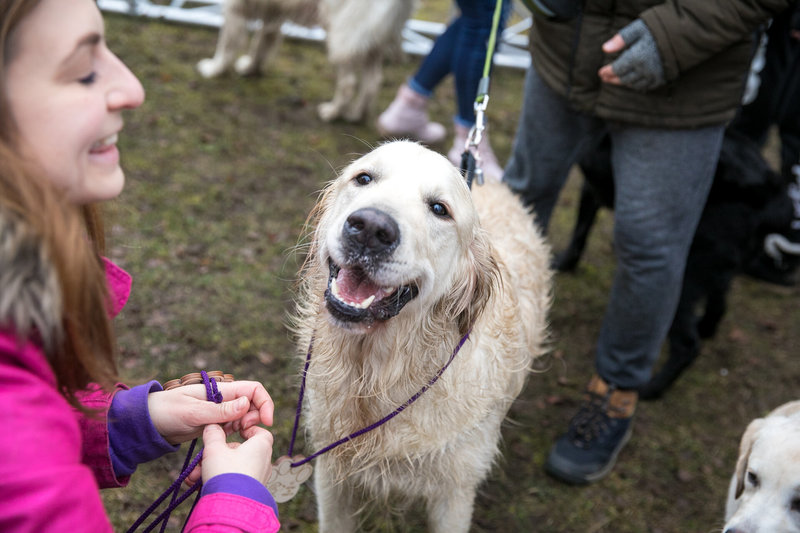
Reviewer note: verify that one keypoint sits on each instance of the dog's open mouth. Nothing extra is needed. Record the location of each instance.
(352, 296)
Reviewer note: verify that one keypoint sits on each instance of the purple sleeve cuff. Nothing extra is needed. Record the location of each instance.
(241, 485)
(133, 439)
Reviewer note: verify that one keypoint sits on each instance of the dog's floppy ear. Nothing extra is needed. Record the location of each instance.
(787, 409)
(745, 446)
(479, 277)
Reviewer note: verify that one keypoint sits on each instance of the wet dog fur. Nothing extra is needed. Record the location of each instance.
(404, 261)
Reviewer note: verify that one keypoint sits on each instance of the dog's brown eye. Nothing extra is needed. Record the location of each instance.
(363, 179)
(795, 505)
(752, 479)
(439, 209)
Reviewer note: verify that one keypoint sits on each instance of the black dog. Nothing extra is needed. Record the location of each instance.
(747, 202)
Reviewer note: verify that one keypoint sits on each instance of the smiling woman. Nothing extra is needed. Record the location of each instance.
(67, 94)
(63, 96)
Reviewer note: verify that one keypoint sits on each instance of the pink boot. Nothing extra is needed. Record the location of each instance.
(492, 171)
(407, 116)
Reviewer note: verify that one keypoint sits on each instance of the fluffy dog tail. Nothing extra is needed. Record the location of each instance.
(379, 21)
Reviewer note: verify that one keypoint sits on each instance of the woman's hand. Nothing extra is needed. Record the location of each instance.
(180, 414)
(253, 457)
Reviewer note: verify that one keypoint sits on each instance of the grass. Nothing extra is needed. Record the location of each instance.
(221, 176)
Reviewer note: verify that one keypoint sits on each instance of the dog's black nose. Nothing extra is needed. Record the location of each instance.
(370, 231)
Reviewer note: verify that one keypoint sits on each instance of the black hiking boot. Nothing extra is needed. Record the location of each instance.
(596, 434)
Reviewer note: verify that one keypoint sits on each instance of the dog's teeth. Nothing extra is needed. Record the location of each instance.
(358, 305)
(361, 305)
(366, 303)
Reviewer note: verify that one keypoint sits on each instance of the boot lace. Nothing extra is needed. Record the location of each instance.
(592, 420)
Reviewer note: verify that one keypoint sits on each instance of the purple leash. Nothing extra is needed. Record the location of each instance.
(213, 395)
(369, 428)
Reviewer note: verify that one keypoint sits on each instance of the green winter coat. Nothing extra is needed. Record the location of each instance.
(705, 48)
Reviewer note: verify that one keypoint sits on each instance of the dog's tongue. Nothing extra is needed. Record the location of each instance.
(354, 286)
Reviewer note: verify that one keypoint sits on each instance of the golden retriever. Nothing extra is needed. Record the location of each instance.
(359, 34)
(764, 494)
(404, 262)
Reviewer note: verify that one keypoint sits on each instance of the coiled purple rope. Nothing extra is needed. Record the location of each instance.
(213, 395)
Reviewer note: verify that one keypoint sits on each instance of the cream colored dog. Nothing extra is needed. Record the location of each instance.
(359, 34)
(764, 495)
(405, 262)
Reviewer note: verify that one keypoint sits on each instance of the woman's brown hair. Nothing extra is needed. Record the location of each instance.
(72, 239)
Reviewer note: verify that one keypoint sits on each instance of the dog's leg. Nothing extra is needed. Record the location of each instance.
(346, 82)
(232, 37)
(263, 45)
(335, 508)
(588, 207)
(716, 306)
(451, 511)
(368, 87)
(684, 347)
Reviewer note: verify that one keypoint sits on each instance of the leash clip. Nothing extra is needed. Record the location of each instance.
(471, 158)
(475, 135)
(474, 138)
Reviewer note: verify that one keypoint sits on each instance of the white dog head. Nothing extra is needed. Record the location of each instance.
(764, 495)
(398, 228)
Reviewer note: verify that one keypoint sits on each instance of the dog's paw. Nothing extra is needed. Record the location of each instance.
(284, 481)
(210, 68)
(328, 111)
(245, 66)
(353, 115)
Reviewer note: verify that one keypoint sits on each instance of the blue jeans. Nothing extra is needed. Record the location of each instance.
(461, 49)
(662, 178)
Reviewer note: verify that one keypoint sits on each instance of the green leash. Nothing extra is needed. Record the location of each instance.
(470, 159)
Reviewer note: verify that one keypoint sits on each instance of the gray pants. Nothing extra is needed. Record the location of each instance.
(662, 179)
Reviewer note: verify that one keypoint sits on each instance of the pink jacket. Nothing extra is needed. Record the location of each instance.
(54, 459)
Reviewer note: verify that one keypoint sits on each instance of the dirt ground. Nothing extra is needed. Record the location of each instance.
(221, 176)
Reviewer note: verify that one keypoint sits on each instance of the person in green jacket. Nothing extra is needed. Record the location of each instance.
(662, 78)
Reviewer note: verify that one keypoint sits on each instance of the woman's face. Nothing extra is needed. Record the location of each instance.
(66, 92)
